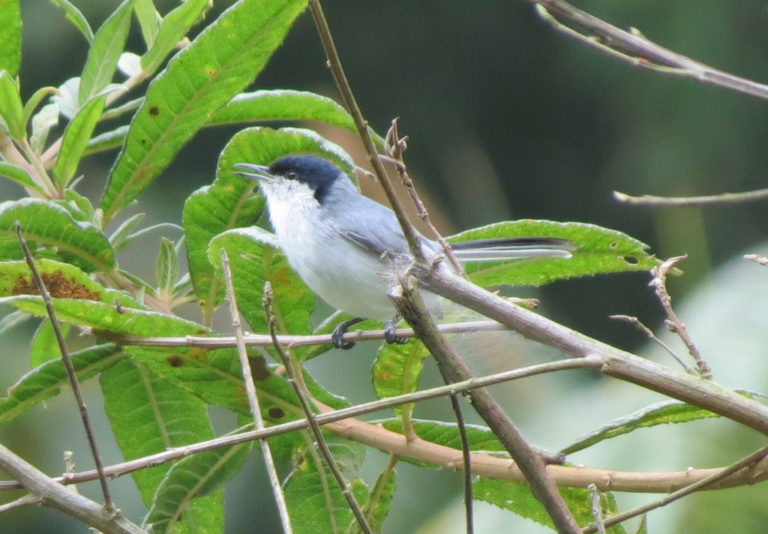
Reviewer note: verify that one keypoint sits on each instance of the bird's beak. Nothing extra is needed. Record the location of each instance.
(253, 172)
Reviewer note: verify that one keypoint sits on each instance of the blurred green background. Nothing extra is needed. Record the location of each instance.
(505, 119)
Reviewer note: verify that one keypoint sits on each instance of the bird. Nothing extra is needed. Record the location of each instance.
(346, 246)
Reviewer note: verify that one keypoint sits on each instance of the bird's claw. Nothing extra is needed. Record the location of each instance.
(341, 329)
(390, 336)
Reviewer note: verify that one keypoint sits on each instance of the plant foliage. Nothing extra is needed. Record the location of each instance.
(199, 71)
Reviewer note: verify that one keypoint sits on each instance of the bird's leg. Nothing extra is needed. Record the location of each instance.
(389, 332)
(340, 330)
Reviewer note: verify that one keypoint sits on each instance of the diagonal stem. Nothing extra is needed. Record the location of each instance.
(253, 400)
(108, 505)
(528, 459)
(294, 375)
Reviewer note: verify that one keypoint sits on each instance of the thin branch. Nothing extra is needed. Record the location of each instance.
(596, 509)
(396, 146)
(71, 374)
(294, 377)
(743, 464)
(529, 460)
(342, 423)
(634, 321)
(762, 260)
(253, 400)
(264, 340)
(55, 495)
(703, 200)
(348, 96)
(659, 285)
(27, 500)
(633, 48)
(466, 458)
(615, 362)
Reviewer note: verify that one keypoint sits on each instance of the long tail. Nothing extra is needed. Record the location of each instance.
(513, 248)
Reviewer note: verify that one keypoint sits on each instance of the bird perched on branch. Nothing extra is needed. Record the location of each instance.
(346, 246)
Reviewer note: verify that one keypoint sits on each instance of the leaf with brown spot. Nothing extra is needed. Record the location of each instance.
(62, 280)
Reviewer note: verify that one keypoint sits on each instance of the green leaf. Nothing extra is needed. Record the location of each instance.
(480, 438)
(167, 266)
(314, 500)
(106, 141)
(18, 175)
(45, 381)
(108, 44)
(120, 237)
(42, 122)
(44, 345)
(600, 251)
(517, 497)
(62, 280)
(662, 413)
(173, 27)
(283, 105)
(259, 106)
(149, 415)
(397, 369)
(66, 98)
(10, 106)
(82, 209)
(228, 203)
(51, 230)
(10, 36)
(203, 515)
(214, 376)
(379, 501)
(191, 478)
(76, 18)
(149, 19)
(75, 140)
(508, 494)
(34, 100)
(216, 66)
(127, 107)
(106, 317)
(254, 260)
(12, 320)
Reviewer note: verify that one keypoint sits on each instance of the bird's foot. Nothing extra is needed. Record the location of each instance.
(340, 330)
(390, 336)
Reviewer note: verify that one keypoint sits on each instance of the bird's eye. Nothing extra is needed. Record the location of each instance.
(291, 175)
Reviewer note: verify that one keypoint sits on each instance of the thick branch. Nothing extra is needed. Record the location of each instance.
(53, 494)
(636, 49)
(528, 459)
(699, 392)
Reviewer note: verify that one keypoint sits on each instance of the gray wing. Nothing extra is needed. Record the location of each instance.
(375, 229)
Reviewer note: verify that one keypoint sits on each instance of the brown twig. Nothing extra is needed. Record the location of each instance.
(528, 459)
(295, 379)
(71, 374)
(659, 285)
(634, 321)
(264, 340)
(348, 96)
(704, 200)
(633, 48)
(395, 147)
(762, 260)
(29, 499)
(55, 495)
(596, 508)
(253, 400)
(342, 422)
(744, 463)
(705, 394)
